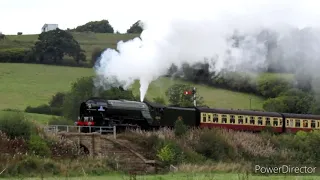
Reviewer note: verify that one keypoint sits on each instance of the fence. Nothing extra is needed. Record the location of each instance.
(78, 129)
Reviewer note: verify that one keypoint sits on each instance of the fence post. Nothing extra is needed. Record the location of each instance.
(114, 132)
(67, 129)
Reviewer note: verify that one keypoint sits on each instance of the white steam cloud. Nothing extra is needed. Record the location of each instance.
(202, 32)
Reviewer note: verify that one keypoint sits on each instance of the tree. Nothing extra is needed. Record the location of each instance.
(136, 28)
(291, 101)
(176, 96)
(53, 45)
(102, 26)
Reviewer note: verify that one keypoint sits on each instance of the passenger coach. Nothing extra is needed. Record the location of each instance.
(241, 119)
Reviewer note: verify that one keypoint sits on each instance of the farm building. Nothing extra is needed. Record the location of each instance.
(49, 27)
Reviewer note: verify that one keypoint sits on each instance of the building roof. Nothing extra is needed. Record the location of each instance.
(45, 25)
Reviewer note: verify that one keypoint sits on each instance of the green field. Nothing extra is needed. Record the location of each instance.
(189, 176)
(32, 84)
(88, 41)
(39, 118)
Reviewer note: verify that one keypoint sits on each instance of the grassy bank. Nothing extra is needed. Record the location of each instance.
(87, 41)
(32, 85)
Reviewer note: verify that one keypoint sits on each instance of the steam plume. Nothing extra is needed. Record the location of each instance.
(202, 32)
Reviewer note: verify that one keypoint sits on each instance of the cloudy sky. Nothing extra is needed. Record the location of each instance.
(28, 16)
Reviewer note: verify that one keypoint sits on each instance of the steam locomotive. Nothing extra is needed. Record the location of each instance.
(148, 115)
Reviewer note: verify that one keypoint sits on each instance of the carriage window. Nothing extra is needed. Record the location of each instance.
(287, 122)
(232, 119)
(251, 120)
(204, 118)
(275, 122)
(224, 118)
(305, 123)
(259, 120)
(209, 117)
(313, 123)
(240, 119)
(215, 118)
(268, 122)
(297, 123)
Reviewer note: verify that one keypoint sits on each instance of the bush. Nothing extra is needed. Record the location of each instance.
(57, 100)
(38, 146)
(272, 87)
(169, 152)
(14, 125)
(16, 55)
(214, 146)
(45, 109)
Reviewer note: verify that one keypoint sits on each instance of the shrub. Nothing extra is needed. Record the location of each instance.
(272, 87)
(45, 109)
(169, 152)
(38, 146)
(16, 55)
(214, 146)
(15, 125)
(57, 100)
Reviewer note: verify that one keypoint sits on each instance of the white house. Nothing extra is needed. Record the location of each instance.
(49, 27)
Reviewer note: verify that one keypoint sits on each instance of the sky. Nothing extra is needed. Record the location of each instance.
(28, 16)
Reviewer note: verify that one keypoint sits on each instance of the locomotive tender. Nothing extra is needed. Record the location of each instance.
(148, 115)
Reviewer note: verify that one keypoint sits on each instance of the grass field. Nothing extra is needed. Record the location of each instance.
(88, 41)
(39, 118)
(32, 84)
(211, 176)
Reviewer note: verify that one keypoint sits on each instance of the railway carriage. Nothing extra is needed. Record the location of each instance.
(301, 122)
(243, 120)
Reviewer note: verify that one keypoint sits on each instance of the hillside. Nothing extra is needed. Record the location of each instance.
(32, 84)
(88, 41)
